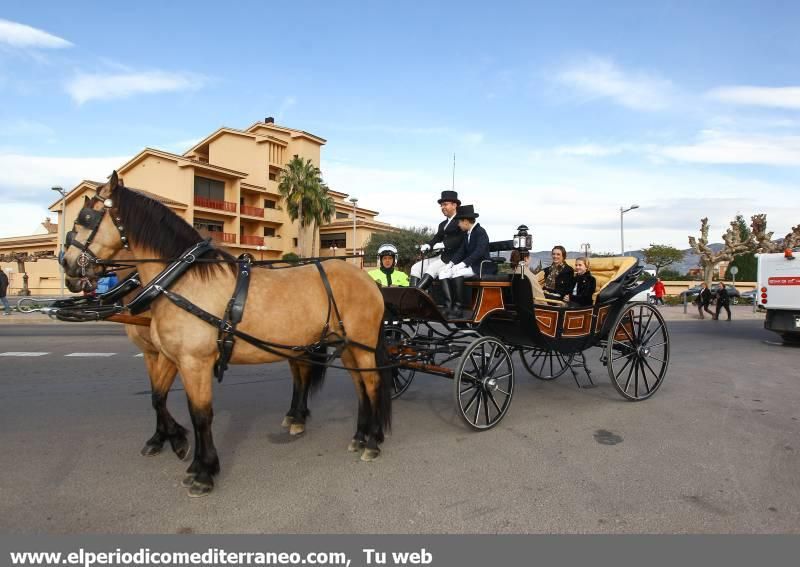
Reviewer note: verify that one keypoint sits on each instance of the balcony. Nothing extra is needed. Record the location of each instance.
(252, 239)
(223, 237)
(252, 211)
(214, 204)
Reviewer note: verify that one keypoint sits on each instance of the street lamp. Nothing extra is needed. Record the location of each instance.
(63, 223)
(622, 211)
(587, 249)
(354, 200)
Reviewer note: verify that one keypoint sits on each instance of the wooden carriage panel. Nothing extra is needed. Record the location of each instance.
(625, 331)
(547, 321)
(577, 323)
(489, 299)
(602, 314)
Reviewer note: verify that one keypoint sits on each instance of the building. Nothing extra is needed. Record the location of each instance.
(226, 186)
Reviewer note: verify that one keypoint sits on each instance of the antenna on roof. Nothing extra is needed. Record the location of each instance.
(454, 171)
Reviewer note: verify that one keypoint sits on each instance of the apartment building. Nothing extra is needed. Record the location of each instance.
(226, 186)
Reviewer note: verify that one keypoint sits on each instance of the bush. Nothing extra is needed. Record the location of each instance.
(291, 258)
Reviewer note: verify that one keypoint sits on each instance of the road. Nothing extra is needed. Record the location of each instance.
(716, 450)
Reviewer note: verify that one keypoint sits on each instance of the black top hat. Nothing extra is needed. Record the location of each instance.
(451, 196)
(466, 212)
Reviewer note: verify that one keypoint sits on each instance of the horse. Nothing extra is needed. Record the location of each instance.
(287, 308)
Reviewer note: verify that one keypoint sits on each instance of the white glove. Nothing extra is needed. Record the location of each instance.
(424, 247)
(438, 246)
(459, 266)
(449, 265)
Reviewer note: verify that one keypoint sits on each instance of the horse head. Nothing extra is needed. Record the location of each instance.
(96, 235)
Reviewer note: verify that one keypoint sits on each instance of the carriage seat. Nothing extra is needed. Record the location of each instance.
(604, 270)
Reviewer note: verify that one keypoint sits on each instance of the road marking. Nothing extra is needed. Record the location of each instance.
(140, 355)
(91, 354)
(23, 353)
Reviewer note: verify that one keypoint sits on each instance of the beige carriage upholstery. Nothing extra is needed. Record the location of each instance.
(604, 271)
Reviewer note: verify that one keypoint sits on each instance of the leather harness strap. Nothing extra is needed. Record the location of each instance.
(233, 316)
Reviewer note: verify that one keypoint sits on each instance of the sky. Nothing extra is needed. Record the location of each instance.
(558, 114)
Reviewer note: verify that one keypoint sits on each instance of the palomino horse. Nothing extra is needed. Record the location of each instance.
(285, 308)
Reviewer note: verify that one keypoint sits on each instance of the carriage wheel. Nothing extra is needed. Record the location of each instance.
(484, 383)
(401, 377)
(545, 364)
(637, 351)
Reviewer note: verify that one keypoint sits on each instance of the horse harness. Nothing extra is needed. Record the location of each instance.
(90, 218)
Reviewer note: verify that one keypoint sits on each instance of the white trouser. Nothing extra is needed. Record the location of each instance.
(431, 266)
(453, 272)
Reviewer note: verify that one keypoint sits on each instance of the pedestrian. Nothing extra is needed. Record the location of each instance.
(703, 300)
(723, 300)
(660, 291)
(3, 291)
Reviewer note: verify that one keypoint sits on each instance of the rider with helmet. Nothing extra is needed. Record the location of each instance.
(387, 274)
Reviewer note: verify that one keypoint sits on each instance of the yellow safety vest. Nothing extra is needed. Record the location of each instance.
(399, 279)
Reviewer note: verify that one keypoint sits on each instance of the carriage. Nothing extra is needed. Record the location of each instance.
(550, 337)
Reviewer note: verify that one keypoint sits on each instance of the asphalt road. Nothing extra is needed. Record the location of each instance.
(716, 450)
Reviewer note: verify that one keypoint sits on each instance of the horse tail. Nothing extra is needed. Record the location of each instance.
(319, 369)
(382, 361)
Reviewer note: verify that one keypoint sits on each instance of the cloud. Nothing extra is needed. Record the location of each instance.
(588, 150)
(726, 148)
(597, 77)
(287, 103)
(86, 87)
(25, 128)
(22, 36)
(472, 138)
(774, 97)
(28, 179)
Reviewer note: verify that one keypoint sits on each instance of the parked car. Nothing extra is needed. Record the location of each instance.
(647, 295)
(748, 296)
(733, 293)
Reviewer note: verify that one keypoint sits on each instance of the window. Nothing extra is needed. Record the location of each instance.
(269, 231)
(208, 225)
(209, 188)
(294, 242)
(269, 204)
(341, 215)
(273, 176)
(337, 239)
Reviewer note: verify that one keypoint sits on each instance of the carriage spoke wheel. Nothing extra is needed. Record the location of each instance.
(545, 364)
(401, 377)
(484, 383)
(637, 351)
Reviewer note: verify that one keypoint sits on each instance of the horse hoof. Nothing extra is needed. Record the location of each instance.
(200, 489)
(297, 429)
(370, 454)
(188, 481)
(150, 450)
(355, 446)
(287, 421)
(182, 449)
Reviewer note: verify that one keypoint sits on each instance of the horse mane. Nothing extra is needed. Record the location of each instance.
(153, 225)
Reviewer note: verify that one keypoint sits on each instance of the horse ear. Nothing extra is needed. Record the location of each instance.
(113, 182)
(86, 201)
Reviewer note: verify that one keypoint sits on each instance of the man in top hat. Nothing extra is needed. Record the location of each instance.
(466, 262)
(448, 238)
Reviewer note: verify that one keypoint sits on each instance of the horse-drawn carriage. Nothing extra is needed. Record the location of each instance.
(507, 317)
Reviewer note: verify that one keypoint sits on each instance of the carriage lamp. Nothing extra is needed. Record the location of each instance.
(523, 241)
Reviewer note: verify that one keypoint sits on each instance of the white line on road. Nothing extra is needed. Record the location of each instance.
(140, 355)
(91, 354)
(23, 353)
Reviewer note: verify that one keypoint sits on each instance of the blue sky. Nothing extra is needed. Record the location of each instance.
(558, 114)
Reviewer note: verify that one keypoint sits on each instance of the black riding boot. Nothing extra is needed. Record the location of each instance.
(425, 282)
(448, 296)
(458, 293)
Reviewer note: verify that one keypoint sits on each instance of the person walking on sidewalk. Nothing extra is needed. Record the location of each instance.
(704, 300)
(3, 291)
(723, 300)
(660, 291)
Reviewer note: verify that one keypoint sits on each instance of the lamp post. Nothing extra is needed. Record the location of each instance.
(622, 211)
(587, 249)
(63, 223)
(354, 200)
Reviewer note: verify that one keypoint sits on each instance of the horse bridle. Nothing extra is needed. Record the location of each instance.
(90, 218)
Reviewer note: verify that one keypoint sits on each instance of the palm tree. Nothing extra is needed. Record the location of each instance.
(306, 195)
(321, 210)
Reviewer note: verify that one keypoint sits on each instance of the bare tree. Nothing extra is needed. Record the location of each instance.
(734, 246)
(763, 239)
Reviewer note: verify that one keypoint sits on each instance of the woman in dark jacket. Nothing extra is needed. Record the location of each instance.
(559, 278)
(704, 300)
(585, 284)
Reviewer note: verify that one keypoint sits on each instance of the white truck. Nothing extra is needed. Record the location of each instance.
(778, 292)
